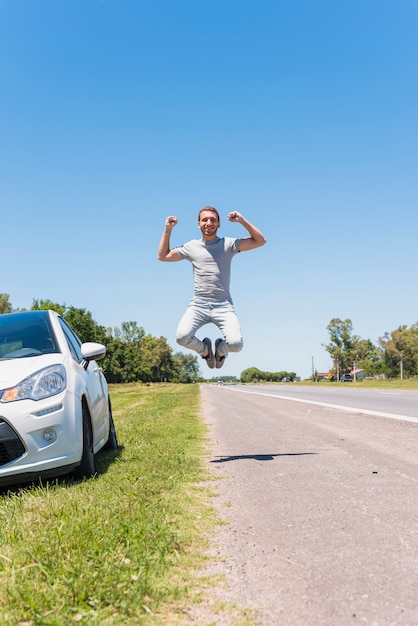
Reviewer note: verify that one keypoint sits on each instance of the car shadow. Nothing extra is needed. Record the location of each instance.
(258, 457)
(104, 459)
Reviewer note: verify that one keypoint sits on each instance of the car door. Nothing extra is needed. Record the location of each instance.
(94, 385)
(97, 400)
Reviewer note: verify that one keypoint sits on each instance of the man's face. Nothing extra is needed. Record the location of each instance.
(208, 224)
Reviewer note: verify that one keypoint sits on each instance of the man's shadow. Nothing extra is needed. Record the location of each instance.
(258, 457)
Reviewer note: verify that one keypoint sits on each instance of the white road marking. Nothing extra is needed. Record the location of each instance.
(340, 407)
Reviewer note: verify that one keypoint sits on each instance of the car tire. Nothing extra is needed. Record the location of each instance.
(87, 467)
(112, 442)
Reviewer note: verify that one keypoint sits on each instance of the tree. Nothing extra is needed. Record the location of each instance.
(158, 355)
(185, 368)
(401, 345)
(343, 346)
(84, 325)
(370, 357)
(124, 362)
(45, 305)
(129, 331)
(5, 305)
(80, 320)
(252, 374)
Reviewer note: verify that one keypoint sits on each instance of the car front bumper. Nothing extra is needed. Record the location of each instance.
(40, 438)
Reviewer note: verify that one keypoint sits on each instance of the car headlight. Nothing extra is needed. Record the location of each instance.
(47, 382)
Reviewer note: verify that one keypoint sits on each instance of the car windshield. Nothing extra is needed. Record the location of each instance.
(26, 334)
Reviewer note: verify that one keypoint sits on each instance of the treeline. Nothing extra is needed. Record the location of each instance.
(253, 375)
(131, 354)
(394, 355)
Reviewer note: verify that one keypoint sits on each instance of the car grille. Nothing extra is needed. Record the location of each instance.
(11, 447)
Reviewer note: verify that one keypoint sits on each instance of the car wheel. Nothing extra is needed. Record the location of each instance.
(87, 467)
(112, 442)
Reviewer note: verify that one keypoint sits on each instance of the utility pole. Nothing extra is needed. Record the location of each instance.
(313, 368)
(401, 365)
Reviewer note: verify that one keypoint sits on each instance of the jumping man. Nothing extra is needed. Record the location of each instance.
(211, 257)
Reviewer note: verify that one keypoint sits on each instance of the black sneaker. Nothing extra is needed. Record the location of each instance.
(209, 357)
(219, 360)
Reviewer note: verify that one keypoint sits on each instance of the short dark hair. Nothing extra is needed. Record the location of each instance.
(209, 208)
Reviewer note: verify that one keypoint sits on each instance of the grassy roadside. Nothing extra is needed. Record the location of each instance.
(117, 549)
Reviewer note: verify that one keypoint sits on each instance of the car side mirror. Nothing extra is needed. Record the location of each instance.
(92, 351)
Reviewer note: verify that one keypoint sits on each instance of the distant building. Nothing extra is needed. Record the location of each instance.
(323, 376)
(358, 373)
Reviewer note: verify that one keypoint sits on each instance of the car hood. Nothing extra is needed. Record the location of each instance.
(13, 371)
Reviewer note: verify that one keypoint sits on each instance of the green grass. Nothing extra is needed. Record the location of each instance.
(120, 548)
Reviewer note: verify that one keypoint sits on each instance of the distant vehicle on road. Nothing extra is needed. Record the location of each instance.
(346, 378)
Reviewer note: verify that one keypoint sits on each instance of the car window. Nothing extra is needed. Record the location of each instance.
(20, 338)
(73, 341)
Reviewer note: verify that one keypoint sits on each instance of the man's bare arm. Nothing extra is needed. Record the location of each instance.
(256, 238)
(164, 252)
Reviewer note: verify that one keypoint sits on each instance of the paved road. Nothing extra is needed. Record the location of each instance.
(393, 403)
(322, 511)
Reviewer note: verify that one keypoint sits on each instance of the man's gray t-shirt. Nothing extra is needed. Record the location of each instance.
(211, 262)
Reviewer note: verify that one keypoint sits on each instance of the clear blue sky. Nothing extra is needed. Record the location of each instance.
(302, 115)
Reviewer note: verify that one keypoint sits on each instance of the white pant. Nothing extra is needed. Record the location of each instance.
(200, 313)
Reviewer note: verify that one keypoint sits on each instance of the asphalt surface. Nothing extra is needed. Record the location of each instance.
(394, 403)
(321, 507)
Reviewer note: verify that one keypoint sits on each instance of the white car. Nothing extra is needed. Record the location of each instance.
(55, 411)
